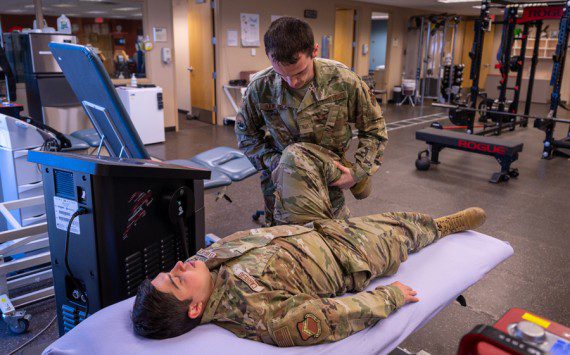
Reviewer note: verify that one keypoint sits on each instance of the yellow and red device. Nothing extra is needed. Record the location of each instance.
(517, 332)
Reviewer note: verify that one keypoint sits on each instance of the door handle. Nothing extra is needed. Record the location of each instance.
(190, 69)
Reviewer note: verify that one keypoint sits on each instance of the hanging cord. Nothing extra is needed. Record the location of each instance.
(77, 213)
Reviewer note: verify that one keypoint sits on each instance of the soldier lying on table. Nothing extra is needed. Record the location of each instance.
(279, 285)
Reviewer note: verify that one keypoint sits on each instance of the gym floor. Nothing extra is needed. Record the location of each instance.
(530, 212)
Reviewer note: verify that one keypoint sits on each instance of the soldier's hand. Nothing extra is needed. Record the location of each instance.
(409, 293)
(346, 180)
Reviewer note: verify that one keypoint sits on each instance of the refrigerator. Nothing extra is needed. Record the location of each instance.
(146, 109)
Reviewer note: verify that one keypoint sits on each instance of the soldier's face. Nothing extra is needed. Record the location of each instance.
(299, 74)
(187, 280)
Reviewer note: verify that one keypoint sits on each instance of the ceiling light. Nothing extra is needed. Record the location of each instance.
(127, 8)
(456, 1)
(63, 5)
(31, 6)
(96, 12)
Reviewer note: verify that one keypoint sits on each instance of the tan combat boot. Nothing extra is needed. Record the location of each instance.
(362, 189)
(470, 218)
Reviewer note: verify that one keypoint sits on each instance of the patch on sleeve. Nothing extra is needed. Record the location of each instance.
(310, 327)
(206, 254)
(282, 337)
(247, 278)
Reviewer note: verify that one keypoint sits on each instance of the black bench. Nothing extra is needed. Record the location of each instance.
(504, 151)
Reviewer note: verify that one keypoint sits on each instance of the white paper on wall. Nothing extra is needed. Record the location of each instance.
(232, 40)
(250, 30)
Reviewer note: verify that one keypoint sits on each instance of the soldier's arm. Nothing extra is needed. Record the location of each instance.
(367, 116)
(251, 135)
(319, 320)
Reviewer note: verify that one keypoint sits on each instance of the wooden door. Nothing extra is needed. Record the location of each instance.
(487, 58)
(202, 83)
(343, 36)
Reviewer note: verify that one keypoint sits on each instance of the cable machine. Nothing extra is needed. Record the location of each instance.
(431, 74)
(499, 114)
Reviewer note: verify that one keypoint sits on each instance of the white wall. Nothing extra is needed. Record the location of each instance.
(181, 53)
(158, 13)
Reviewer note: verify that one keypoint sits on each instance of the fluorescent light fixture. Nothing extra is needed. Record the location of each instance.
(96, 12)
(127, 8)
(30, 6)
(380, 16)
(456, 1)
(63, 5)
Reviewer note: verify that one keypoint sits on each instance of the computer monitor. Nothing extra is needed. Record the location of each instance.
(91, 83)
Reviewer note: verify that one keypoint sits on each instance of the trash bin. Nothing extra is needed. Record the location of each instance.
(397, 94)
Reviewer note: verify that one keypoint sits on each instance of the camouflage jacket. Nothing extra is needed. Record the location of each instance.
(278, 285)
(339, 97)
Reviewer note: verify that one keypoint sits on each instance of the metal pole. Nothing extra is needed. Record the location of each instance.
(533, 63)
(452, 67)
(39, 14)
(420, 60)
(514, 107)
(476, 55)
(426, 60)
(441, 57)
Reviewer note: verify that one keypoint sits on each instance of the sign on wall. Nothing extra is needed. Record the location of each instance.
(159, 34)
(249, 30)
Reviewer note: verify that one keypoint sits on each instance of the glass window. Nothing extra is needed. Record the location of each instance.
(113, 29)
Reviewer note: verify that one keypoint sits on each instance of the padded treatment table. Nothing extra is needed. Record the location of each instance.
(228, 161)
(217, 178)
(90, 136)
(439, 273)
(76, 144)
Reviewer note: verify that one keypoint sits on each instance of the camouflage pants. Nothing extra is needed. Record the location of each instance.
(376, 245)
(300, 186)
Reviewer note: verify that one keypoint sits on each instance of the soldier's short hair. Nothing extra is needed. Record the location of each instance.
(286, 38)
(159, 315)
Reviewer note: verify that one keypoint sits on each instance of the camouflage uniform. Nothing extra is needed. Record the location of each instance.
(279, 285)
(336, 98)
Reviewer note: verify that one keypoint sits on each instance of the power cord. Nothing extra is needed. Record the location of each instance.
(183, 236)
(34, 337)
(80, 211)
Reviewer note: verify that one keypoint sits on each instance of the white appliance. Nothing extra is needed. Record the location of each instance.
(146, 109)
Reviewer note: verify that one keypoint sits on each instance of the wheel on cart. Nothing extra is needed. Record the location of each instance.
(20, 326)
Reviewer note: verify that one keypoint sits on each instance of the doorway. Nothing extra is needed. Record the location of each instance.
(202, 67)
(379, 50)
(344, 36)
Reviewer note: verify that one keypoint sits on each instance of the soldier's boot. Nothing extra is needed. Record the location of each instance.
(470, 218)
(362, 189)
